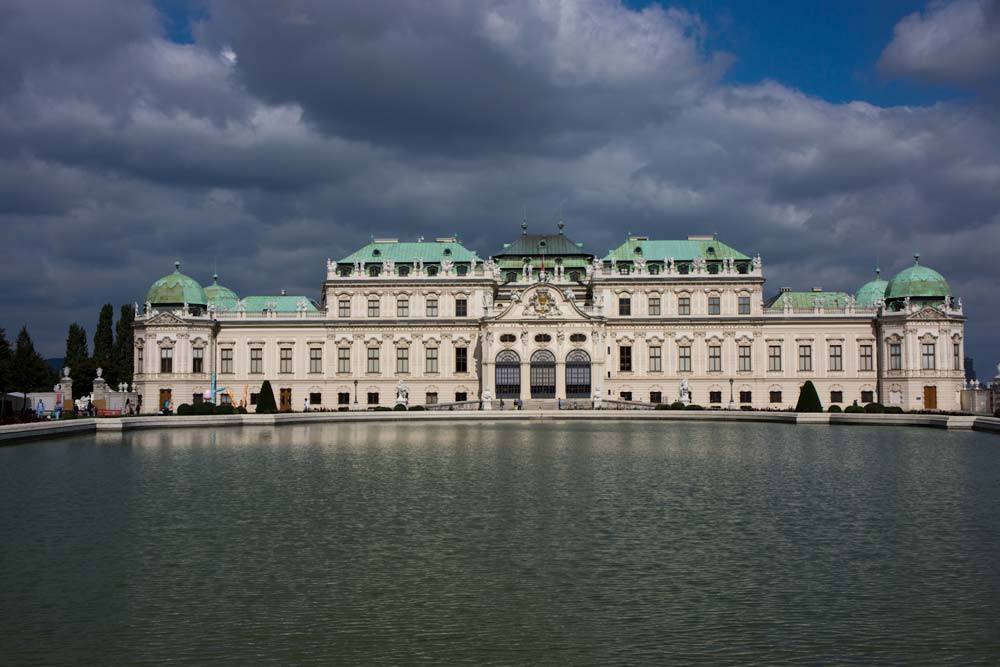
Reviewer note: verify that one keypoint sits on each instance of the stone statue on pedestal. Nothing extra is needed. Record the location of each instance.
(685, 392)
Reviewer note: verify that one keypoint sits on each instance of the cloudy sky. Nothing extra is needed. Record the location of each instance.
(262, 138)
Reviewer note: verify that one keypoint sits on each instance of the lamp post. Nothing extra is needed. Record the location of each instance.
(732, 403)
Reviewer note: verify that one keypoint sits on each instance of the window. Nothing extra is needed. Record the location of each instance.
(402, 360)
(774, 357)
(745, 360)
(432, 398)
(654, 305)
(315, 398)
(684, 358)
(432, 270)
(510, 338)
(343, 398)
(715, 358)
(746, 397)
(624, 306)
(573, 338)
(432, 306)
(343, 360)
(655, 358)
(374, 271)
(373, 398)
(805, 357)
(543, 338)
(715, 397)
(836, 357)
(714, 305)
(462, 270)
(867, 360)
(226, 360)
(138, 360)
(461, 360)
(256, 360)
(626, 396)
(684, 305)
(253, 398)
(315, 360)
(373, 360)
(166, 360)
(198, 360)
(224, 399)
(403, 270)
(285, 357)
(625, 358)
(895, 356)
(774, 396)
(461, 396)
(623, 269)
(927, 362)
(402, 307)
(197, 398)
(744, 302)
(432, 360)
(344, 308)
(836, 397)
(373, 307)
(868, 396)
(511, 276)
(654, 269)
(461, 307)
(957, 352)
(655, 397)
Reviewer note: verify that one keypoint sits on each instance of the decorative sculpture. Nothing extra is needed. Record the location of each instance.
(685, 392)
(402, 393)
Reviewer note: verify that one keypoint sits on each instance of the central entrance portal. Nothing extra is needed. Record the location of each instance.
(508, 374)
(543, 374)
(577, 374)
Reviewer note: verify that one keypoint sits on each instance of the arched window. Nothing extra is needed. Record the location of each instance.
(508, 374)
(376, 253)
(447, 252)
(574, 276)
(403, 270)
(577, 374)
(432, 270)
(462, 270)
(345, 272)
(511, 276)
(654, 269)
(374, 270)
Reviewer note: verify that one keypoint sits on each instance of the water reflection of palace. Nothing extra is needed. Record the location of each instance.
(544, 319)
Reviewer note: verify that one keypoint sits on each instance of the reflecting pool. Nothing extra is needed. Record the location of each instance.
(542, 543)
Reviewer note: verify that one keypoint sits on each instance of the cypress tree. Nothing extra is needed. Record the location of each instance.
(78, 360)
(6, 360)
(104, 342)
(808, 399)
(124, 345)
(265, 400)
(29, 369)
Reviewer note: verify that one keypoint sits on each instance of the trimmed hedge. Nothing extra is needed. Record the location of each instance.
(382, 408)
(875, 408)
(416, 408)
(996, 413)
(854, 409)
(694, 406)
(894, 410)
(400, 407)
(241, 410)
(808, 399)
(662, 406)
(676, 405)
(225, 410)
(834, 408)
(265, 400)
(184, 410)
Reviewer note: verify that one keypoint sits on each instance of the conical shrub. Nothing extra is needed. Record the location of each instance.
(265, 400)
(808, 399)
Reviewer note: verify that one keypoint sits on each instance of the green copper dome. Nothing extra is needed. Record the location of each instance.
(176, 289)
(871, 291)
(221, 297)
(918, 282)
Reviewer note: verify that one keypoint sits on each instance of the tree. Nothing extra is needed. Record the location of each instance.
(124, 345)
(6, 360)
(808, 399)
(78, 359)
(265, 400)
(29, 369)
(104, 342)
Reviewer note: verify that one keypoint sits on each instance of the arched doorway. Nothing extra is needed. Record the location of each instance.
(543, 374)
(577, 374)
(508, 374)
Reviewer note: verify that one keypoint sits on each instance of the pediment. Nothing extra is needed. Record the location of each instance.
(928, 313)
(165, 320)
(542, 302)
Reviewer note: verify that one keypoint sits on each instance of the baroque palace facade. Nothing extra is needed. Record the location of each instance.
(651, 321)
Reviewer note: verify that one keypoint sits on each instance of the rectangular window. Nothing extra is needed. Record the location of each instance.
(432, 306)
(655, 358)
(927, 356)
(655, 397)
(461, 396)
(867, 359)
(624, 306)
(253, 398)
(715, 397)
(402, 360)
(746, 363)
(315, 398)
(373, 360)
(286, 360)
(714, 305)
(138, 360)
(197, 398)
(715, 358)
(167, 360)
(774, 357)
(224, 399)
(315, 360)
(746, 397)
(684, 358)
(432, 398)
(402, 307)
(744, 302)
(226, 360)
(805, 357)
(836, 358)
(256, 360)
(774, 396)
(625, 358)
(957, 352)
(344, 308)
(836, 397)
(868, 396)
(895, 356)
(461, 360)
(198, 360)
(461, 307)
(654, 305)
(626, 396)
(373, 307)
(684, 305)
(373, 398)
(431, 365)
(343, 398)
(343, 360)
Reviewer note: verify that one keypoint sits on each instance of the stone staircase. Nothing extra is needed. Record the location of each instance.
(530, 404)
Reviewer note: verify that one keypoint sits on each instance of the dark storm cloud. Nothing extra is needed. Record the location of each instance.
(291, 132)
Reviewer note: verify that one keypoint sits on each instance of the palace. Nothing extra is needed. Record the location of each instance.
(651, 321)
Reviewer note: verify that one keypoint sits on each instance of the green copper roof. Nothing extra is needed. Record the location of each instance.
(282, 303)
(408, 252)
(221, 297)
(807, 300)
(657, 251)
(917, 281)
(536, 245)
(176, 289)
(871, 291)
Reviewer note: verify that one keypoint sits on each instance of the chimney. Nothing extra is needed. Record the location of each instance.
(783, 290)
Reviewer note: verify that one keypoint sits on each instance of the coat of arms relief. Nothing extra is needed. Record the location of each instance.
(541, 304)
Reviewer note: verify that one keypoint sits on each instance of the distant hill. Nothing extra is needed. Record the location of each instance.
(55, 363)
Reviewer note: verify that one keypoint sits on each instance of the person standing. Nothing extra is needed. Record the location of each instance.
(40, 409)
(305, 404)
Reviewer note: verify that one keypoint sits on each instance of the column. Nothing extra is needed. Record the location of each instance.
(561, 377)
(525, 379)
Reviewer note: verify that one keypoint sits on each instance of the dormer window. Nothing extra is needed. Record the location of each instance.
(403, 270)
(345, 272)
(654, 269)
(432, 270)
(710, 250)
(638, 250)
(376, 253)
(447, 252)
(511, 276)
(374, 271)
(462, 270)
(541, 244)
